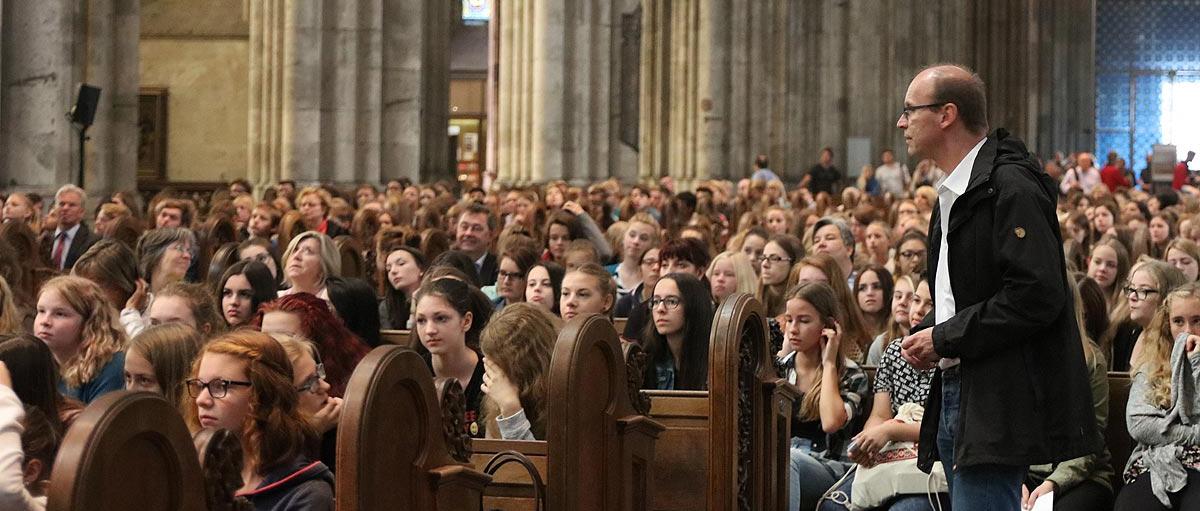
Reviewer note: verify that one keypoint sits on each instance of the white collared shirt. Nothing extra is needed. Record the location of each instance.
(949, 189)
(66, 243)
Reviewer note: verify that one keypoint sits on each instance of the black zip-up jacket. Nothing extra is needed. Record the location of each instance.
(1025, 396)
(302, 485)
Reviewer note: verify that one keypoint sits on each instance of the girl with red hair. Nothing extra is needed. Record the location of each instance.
(305, 315)
(242, 382)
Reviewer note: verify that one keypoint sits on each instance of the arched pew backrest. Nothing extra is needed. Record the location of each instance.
(750, 407)
(391, 449)
(1116, 435)
(352, 256)
(221, 463)
(600, 449)
(453, 404)
(127, 451)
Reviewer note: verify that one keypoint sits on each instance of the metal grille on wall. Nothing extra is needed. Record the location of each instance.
(1147, 77)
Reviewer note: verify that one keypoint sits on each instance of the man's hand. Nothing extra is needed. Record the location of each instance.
(917, 349)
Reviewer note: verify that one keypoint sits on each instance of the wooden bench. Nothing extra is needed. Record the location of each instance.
(598, 450)
(1116, 435)
(392, 450)
(127, 451)
(726, 448)
(398, 337)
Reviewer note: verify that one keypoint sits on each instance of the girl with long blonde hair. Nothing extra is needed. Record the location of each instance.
(1161, 412)
(832, 388)
(80, 328)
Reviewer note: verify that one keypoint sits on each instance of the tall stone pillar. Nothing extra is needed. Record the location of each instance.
(559, 65)
(36, 140)
(348, 91)
(416, 89)
(112, 65)
(265, 149)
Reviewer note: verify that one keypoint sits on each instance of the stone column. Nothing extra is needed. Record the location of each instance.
(713, 51)
(492, 93)
(558, 67)
(35, 136)
(347, 92)
(112, 65)
(416, 84)
(548, 65)
(301, 121)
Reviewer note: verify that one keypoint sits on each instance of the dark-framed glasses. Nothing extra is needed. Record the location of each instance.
(671, 302)
(908, 110)
(513, 275)
(312, 382)
(773, 258)
(1139, 293)
(217, 388)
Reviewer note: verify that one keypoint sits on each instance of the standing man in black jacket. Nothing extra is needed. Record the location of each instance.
(1012, 389)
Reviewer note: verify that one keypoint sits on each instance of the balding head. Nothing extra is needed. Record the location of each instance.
(957, 85)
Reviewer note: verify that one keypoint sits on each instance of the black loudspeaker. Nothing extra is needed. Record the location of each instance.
(84, 111)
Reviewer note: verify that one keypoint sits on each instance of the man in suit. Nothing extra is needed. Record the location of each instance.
(473, 233)
(72, 237)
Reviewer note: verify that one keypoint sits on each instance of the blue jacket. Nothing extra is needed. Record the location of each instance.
(302, 485)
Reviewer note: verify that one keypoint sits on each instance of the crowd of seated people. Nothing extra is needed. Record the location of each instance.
(251, 313)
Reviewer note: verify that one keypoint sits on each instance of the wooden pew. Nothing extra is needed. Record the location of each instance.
(397, 337)
(598, 450)
(726, 448)
(127, 451)
(1116, 435)
(391, 450)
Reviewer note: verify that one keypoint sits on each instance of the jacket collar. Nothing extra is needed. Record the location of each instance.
(981, 172)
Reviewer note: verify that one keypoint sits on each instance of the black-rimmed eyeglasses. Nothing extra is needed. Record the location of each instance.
(908, 110)
(312, 382)
(217, 388)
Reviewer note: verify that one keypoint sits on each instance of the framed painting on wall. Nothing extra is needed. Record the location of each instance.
(152, 134)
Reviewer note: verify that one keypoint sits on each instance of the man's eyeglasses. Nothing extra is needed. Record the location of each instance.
(909, 254)
(908, 110)
(513, 275)
(671, 302)
(217, 388)
(313, 381)
(1140, 294)
(774, 259)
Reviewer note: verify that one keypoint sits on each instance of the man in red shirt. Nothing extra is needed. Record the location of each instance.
(1113, 177)
(1181, 171)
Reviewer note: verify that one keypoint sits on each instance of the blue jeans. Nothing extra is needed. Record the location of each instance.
(811, 475)
(978, 487)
